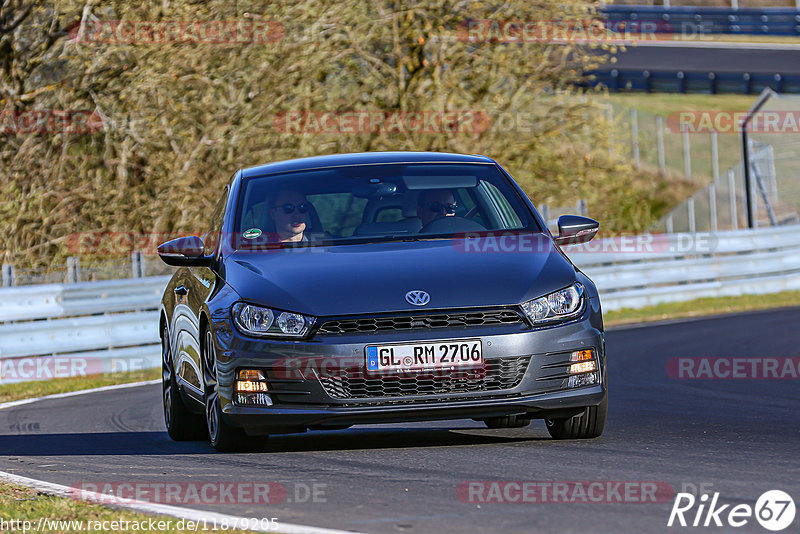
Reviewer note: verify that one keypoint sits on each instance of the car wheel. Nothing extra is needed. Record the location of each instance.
(587, 424)
(507, 421)
(182, 425)
(224, 436)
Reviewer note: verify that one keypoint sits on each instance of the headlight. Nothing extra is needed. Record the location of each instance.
(562, 304)
(260, 321)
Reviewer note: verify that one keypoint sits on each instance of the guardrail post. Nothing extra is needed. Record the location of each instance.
(773, 177)
(137, 264)
(732, 192)
(712, 205)
(8, 275)
(660, 135)
(687, 153)
(635, 136)
(690, 207)
(583, 207)
(669, 224)
(73, 270)
(714, 155)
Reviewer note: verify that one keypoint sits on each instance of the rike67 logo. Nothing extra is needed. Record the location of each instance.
(774, 510)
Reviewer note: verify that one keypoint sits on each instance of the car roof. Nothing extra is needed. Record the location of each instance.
(361, 158)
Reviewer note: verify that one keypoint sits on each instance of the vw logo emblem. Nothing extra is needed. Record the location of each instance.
(418, 298)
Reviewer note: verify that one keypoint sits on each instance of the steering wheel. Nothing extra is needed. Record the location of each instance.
(471, 213)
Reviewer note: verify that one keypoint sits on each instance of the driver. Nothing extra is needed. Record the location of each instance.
(435, 203)
(290, 210)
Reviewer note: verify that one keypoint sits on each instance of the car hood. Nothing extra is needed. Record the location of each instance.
(374, 278)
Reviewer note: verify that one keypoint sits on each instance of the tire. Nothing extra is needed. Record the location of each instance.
(506, 421)
(224, 437)
(182, 424)
(586, 425)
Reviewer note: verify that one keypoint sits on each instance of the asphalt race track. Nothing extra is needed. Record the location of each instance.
(709, 57)
(737, 437)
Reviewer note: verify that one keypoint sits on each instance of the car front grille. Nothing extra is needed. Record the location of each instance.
(420, 322)
(495, 375)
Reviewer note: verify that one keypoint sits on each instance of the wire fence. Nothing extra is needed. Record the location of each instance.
(138, 265)
(774, 162)
(650, 141)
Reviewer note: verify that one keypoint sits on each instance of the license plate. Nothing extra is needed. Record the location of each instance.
(422, 356)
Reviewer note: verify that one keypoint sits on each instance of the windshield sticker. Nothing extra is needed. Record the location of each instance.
(252, 233)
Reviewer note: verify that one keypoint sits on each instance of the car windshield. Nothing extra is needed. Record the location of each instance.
(373, 203)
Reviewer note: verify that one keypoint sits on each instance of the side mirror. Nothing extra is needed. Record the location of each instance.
(574, 229)
(184, 252)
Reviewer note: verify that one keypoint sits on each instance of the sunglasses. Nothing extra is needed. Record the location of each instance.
(437, 207)
(289, 208)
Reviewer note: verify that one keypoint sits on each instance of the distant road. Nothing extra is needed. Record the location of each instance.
(708, 57)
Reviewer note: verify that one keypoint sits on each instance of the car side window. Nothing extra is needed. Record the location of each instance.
(508, 217)
(211, 237)
(389, 214)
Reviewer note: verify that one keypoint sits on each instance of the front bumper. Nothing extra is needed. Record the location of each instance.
(303, 403)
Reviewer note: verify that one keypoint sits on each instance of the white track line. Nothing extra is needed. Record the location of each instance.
(189, 514)
(79, 392)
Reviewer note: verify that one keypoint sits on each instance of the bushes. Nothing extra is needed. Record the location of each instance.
(180, 118)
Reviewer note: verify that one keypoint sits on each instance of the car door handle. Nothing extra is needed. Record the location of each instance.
(181, 291)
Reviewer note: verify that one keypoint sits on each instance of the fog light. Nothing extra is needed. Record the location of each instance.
(583, 367)
(586, 379)
(251, 374)
(254, 399)
(251, 388)
(581, 355)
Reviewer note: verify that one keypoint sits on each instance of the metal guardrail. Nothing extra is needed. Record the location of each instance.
(57, 330)
(752, 21)
(50, 301)
(677, 81)
(685, 25)
(107, 326)
(681, 267)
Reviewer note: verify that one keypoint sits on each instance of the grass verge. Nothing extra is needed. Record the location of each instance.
(702, 307)
(39, 388)
(26, 509)
(23, 508)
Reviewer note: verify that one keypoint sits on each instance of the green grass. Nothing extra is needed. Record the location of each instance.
(701, 307)
(38, 388)
(25, 504)
(665, 103)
